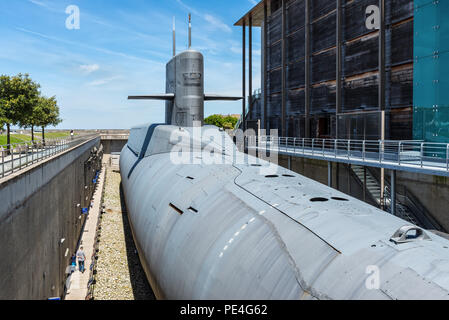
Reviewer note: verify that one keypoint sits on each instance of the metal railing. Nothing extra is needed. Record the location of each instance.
(16, 156)
(114, 136)
(394, 152)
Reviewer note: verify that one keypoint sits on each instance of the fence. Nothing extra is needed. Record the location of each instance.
(16, 156)
(416, 153)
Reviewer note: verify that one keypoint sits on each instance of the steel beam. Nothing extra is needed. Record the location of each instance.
(393, 192)
(244, 77)
(382, 56)
(307, 68)
(250, 67)
(265, 65)
(283, 92)
(338, 66)
(382, 87)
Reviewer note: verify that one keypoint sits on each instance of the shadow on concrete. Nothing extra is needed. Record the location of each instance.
(141, 288)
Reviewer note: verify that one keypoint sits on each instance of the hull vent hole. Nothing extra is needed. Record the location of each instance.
(339, 199)
(176, 208)
(319, 200)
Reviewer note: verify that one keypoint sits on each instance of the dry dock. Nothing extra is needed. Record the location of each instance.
(119, 273)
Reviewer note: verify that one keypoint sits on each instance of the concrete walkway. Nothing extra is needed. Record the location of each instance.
(77, 289)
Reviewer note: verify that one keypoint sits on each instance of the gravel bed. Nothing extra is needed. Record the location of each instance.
(119, 273)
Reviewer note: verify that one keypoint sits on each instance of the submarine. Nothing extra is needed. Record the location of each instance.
(210, 223)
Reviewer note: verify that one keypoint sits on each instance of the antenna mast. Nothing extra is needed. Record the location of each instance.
(190, 31)
(174, 36)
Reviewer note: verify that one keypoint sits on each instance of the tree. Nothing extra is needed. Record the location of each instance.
(46, 113)
(214, 120)
(218, 120)
(18, 94)
(32, 120)
(2, 125)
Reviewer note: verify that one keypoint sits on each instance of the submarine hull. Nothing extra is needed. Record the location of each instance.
(229, 231)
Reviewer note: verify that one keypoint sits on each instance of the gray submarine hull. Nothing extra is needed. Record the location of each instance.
(229, 231)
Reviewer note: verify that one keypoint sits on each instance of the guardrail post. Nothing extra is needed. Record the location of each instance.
(20, 156)
(422, 153)
(11, 147)
(3, 162)
(27, 154)
(294, 145)
(303, 146)
(447, 157)
(324, 141)
(399, 153)
(313, 143)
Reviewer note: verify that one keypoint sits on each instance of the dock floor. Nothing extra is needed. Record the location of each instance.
(119, 273)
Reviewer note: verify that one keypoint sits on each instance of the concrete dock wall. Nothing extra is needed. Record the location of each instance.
(113, 146)
(41, 221)
(431, 191)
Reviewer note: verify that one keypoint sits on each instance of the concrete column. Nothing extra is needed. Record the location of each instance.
(337, 178)
(393, 192)
(349, 179)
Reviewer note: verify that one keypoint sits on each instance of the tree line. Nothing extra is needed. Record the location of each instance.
(22, 104)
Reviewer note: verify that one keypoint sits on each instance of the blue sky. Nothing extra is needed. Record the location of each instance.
(121, 49)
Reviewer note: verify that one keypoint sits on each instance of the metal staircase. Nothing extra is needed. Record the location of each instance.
(372, 185)
(373, 188)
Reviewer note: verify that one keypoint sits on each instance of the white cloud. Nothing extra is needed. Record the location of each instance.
(39, 3)
(102, 81)
(89, 68)
(214, 21)
(253, 2)
(80, 44)
(217, 23)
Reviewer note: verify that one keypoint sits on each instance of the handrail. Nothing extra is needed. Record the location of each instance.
(16, 156)
(393, 152)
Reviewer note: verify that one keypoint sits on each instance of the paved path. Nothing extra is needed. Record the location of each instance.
(77, 289)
